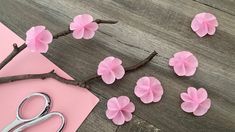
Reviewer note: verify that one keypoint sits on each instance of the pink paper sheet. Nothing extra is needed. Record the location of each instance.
(74, 102)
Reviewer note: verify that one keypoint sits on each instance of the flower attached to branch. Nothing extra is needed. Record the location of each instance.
(149, 89)
(38, 38)
(120, 109)
(184, 63)
(110, 69)
(195, 101)
(204, 23)
(83, 26)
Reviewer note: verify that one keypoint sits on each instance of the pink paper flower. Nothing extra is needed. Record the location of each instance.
(38, 38)
(83, 26)
(120, 109)
(195, 101)
(184, 63)
(110, 69)
(149, 89)
(204, 23)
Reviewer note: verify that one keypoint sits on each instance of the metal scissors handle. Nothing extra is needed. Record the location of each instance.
(42, 116)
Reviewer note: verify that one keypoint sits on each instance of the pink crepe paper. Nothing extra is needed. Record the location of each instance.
(184, 63)
(149, 89)
(204, 23)
(195, 101)
(83, 26)
(38, 38)
(110, 69)
(120, 109)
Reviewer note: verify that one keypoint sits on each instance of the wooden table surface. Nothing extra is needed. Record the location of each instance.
(144, 26)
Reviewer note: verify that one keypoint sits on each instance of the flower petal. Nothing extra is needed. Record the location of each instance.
(31, 46)
(182, 55)
(189, 71)
(75, 26)
(34, 31)
(45, 36)
(189, 107)
(123, 101)
(185, 97)
(108, 78)
(129, 108)
(213, 23)
(192, 61)
(83, 20)
(209, 17)
(127, 116)
(88, 34)
(143, 81)
(171, 62)
(119, 119)
(113, 104)
(192, 92)
(148, 98)
(42, 48)
(211, 30)
(201, 95)
(141, 90)
(157, 98)
(86, 18)
(157, 92)
(78, 34)
(195, 24)
(116, 62)
(92, 26)
(119, 72)
(202, 108)
(154, 81)
(202, 31)
(191, 64)
(111, 113)
(102, 69)
(180, 69)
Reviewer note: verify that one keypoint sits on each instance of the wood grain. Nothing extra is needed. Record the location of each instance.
(223, 5)
(143, 26)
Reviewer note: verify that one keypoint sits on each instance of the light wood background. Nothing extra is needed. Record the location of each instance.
(144, 26)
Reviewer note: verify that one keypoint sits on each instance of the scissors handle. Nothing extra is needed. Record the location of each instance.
(12, 125)
(45, 110)
(40, 119)
(19, 120)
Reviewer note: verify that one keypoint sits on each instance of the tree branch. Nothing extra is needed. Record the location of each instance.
(83, 83)
(16, 50)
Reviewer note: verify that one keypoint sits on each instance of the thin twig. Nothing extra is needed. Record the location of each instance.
(16, 50)
(127, 69)
(83, 83)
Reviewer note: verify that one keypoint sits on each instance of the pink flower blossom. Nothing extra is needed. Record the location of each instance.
(195, 101)
(184, 63)
(120, 109)
(110, 69)
(38, 38)
(83, 26)
(149, 89)
(204, 23)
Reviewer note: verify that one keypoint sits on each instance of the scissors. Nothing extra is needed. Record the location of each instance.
(20, 123)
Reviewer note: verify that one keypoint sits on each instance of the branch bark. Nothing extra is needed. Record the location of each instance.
(82, 83)
(16, 50)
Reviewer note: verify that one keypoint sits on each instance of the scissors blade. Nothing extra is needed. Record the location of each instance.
(41, 119)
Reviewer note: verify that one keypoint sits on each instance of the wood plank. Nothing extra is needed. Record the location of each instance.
(223, 5)
(137, 125)
(144, 26)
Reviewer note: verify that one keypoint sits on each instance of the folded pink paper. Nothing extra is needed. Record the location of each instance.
(74, 102)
